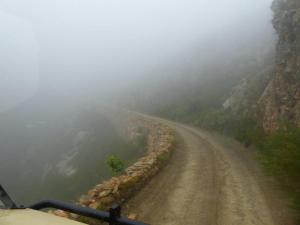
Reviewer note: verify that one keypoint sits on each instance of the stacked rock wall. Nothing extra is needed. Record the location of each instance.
(160, 143)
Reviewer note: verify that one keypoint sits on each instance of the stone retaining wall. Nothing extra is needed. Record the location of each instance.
(160, 143)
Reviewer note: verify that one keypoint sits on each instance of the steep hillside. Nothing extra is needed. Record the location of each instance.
(281, 98)
(265, 109)
(273, 95)
(271, 98)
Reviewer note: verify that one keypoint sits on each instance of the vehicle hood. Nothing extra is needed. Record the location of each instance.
(32, 217)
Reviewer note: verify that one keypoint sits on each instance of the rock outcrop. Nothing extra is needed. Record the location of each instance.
(274, 95)
(243, 100)
(281, 98)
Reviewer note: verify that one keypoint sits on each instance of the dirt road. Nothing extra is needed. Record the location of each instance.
(209, 181)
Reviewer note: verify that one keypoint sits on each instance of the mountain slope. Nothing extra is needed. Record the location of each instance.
(276, 101)
(281, 99)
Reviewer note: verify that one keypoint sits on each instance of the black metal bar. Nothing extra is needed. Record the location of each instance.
(114, 213)
(6, 200)
(113, 216)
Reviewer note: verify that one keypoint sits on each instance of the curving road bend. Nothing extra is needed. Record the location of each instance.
(208, 181)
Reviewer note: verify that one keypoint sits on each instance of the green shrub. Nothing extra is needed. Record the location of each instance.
(248, 131)
(163, 157)
(245, 129)
(115, 164)
(281, 155)
(214, 119)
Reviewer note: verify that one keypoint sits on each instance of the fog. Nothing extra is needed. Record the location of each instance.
(62, 60)
(79, 49)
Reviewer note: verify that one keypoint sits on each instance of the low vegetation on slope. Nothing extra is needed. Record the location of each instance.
(281, 156)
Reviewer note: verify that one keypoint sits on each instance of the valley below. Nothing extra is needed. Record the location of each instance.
(58, 152)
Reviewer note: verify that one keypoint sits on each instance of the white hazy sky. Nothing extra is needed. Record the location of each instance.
(67, 45)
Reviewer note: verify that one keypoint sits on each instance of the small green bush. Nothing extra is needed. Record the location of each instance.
(163, 157)
(214, 119)
(115, 164)
(281, 155)
(248, 131)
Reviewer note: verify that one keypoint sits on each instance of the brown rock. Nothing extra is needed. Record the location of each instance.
(73, 216)
(99, 187)
(132, 216)
(93, 193)
(85, 200)
(107, 200)
(104, 193)
(95, 205)
(116, 188)
(61, 213)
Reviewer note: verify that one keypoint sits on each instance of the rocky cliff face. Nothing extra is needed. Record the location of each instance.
(281, 98)
(275, 96)
(243, 100)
